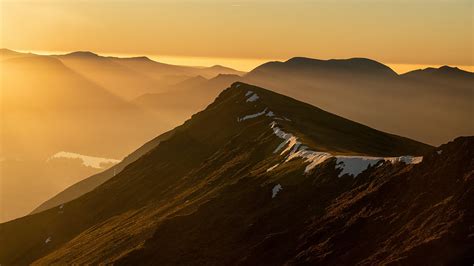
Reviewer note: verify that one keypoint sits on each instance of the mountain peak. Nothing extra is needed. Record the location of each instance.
(83, 54)
(233, 77)
(5, 50)
(443, 71)
(220, 67)
(310, 121)
(136, 58)
(446, 67)
(337, 66)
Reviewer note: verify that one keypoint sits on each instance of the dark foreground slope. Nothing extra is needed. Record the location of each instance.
(210, 192)
(419, 215)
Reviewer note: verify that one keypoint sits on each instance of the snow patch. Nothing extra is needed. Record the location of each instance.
(291, 142)
(407, 159)
(270, 114)
(275, 190)
(281, 134)
(351, 165)
(89, 161)
(253, 98)
(251, 116)
(47, 240)
(439, 152)
(354, 165)
(273, 167)
(313, 158)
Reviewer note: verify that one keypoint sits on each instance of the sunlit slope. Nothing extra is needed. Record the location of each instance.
(229, 142)
(46, 108)
(40, 93)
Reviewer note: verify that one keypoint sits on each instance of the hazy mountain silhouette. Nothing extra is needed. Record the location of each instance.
(444, 71)
(67, 103)
(6, 53)
(187, 97)
(260, 177)
(309, 66)
(134, 76)
(46, 108)
(451, 77)
(432, 105)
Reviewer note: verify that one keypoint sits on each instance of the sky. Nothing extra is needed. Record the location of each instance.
(243, 33)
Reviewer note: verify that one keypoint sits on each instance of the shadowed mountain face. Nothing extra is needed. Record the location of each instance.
(257, 172)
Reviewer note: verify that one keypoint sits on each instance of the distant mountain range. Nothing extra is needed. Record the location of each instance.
(430, 105)
(132, 77)
(260, 178)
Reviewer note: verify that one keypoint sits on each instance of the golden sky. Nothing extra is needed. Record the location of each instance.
(424, 32)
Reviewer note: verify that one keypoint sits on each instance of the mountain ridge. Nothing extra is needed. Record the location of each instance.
(203, 174)
(351, 65)
(287, 108)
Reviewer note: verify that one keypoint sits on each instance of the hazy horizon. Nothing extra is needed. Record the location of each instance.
(241, 64)
(417, 32)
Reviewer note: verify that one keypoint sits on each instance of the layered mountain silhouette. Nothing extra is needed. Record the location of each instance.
(132, 77)
(309, 66)
(431, 105)
(74, 103)
(187, 97)
(258, 177)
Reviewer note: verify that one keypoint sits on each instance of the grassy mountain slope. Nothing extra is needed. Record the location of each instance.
(206, 158)
(389, 215)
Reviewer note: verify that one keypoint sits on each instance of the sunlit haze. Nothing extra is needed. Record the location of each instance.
(242, 34)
